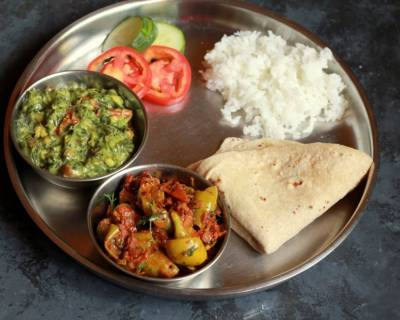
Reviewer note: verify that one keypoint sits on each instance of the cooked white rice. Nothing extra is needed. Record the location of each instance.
(278, 90)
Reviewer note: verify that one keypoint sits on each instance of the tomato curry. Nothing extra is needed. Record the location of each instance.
(161, 227)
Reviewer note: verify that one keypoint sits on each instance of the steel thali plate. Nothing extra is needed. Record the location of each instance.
(184, 134)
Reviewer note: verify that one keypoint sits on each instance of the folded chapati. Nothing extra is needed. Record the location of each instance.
(275, 188)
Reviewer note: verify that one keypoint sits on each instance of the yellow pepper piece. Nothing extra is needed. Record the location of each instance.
(159, 265)
(149, 195)
(189, 251)
(111, 241)
(180, 231)
(144, 239)
(163, 221)
(206, 201)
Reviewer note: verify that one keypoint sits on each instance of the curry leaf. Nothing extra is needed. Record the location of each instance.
(141, 266)
(111, 199)
(191, 250)
(147, 219)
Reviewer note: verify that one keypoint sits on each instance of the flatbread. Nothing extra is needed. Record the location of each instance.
(239, 144)
(276, 188)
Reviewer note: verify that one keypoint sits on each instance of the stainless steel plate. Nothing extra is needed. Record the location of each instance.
(184, 134)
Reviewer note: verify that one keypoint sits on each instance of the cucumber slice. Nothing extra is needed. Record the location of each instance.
(135, 32)
(170, 36)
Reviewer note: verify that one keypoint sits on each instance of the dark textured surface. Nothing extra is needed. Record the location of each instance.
(360, 280)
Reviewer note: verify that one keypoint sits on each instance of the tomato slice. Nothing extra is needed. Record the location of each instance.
(171, 75)
(127, 65)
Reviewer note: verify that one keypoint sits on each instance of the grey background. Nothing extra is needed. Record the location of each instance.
(360, 280)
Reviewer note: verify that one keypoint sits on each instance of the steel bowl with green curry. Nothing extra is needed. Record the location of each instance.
(75, 131)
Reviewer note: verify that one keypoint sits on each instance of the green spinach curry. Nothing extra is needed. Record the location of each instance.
(75, 131)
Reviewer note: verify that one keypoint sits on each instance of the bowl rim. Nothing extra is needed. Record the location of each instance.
(60, 178)
(161, 166)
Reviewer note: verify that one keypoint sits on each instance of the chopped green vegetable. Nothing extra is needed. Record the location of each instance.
(75, 131)
(141, 267)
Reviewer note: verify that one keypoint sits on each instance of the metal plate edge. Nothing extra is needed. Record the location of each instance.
(194, 294)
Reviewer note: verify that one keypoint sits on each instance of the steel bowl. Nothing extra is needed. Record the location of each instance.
(97, 209)
(90, 79)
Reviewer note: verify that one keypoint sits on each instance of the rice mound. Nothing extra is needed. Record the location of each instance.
(277, 90)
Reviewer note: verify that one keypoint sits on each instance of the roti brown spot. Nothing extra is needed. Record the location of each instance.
(311, 178)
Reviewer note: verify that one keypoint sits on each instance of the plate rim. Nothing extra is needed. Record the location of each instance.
(193, 293)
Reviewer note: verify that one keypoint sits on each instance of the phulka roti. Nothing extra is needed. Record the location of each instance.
(238, 144)
(275, 188)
